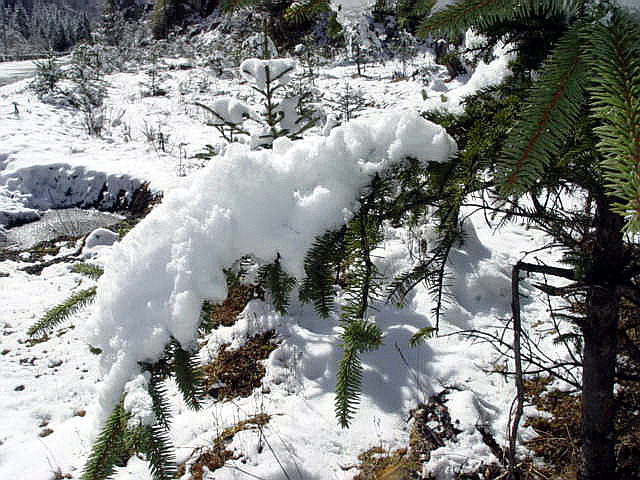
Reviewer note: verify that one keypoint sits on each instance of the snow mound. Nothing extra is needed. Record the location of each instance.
(97, 241)
(101, 236)
(247, 202)
(230, 110)
(254, 70)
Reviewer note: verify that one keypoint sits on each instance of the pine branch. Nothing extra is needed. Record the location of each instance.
(304, 10)
(613, 54)
(358, 337)
(348, 383)
(108, 447)
(155, 443)
(548, 119)
(62, 312)
(94, 272)
(362, 335)
(273, 278)
(458, 17)
(188, 375)
(161, 407)
(321, 265)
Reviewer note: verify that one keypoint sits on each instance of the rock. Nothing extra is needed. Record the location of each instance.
(54, 363)
(100, 237)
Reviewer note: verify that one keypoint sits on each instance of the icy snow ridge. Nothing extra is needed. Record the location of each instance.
(247, 202)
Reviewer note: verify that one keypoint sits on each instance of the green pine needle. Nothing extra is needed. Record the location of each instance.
(422, 335)
(348, 384)
(108, 447)
(155, 443)
(358, 337)
(321, 265)
(303, 10)
(548, 119)
(279, 284)
(160, 399)
(613, 54)
(188, 376)
(62, 312)
(462, 15)
(92, 271)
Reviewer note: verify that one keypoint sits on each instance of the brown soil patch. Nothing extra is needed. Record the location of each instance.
(226, 313)
(431, 427)
(215, 457)
(235, 373)
(559, 436)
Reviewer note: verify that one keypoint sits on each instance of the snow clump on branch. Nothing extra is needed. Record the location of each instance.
(247, 202)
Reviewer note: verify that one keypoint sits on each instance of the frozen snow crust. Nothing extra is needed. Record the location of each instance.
(60, 185)
(248, 202)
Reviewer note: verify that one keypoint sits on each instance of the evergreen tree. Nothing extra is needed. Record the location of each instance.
(577, 134)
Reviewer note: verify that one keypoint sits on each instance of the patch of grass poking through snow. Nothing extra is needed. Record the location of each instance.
(431, 428)
(41, 330)
(560, 432)
(380, 464)
(214, 457)
(36, 253)
(236, 373)
(88, 270)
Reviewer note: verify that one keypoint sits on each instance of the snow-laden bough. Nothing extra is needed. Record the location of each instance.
(246, 202)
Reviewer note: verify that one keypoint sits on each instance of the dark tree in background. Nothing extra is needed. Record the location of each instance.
(36, 26)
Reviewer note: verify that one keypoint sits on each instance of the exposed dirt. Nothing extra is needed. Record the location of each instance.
(215, 456)
(431, 427)
(235, 373)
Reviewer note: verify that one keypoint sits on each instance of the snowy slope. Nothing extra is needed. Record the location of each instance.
(304, 438)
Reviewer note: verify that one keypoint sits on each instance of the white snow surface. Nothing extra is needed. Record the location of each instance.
(164, 269)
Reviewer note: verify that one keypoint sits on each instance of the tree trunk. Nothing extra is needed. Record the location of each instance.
(600, 345)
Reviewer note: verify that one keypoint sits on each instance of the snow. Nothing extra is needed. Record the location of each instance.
(230, 110)
(137, 400)
(632, 5)
(97, 241)
(277, 71)
(260, 202)
(100, 237)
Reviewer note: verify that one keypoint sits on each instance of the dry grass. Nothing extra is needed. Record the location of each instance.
(559, 435)
(235, 373)
(214, 457)
(380, 464)
(431, 428)
(226, 313)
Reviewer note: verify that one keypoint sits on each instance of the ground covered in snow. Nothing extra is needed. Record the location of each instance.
(242, 201)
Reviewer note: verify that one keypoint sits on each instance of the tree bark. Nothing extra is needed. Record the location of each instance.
(605, 264)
